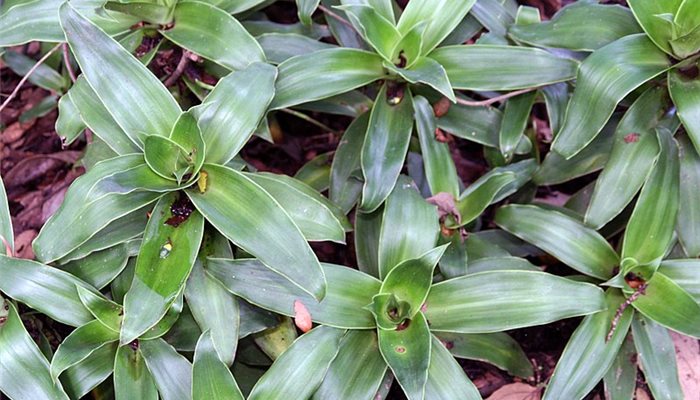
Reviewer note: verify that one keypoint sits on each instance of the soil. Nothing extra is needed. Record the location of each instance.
(37, 169)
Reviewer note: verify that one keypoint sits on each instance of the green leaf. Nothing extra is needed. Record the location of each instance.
(440, 169)
(316, 173)
(187, 134)
(567, 239)
(171, 372)
(69, 124)
(580, 26)
(213, 34)
(666, 303)
(317, 218)
(148, 12)
(107, 312)
(556, 99)
(211, 378)
(233, 204)
(684, 274)
(357, 370)
(588, 355)
(477, 124)
(346, 179)
(500, 263)
(621, 378)
(99, 120)
(605, 78)
(658, 358)
(164, 262)
(635, 150)
(299, 371)
(80, 344)
(650, 229)
(231, 112)
(212, 306)
(45, 289)
(427, 71)
(347, 293)
(132, 380)
(24, 372)
(410, 280)
(493, 15)
(442, 17)
(367, 232)
(83, 377)
(497, 348)
(495, 301)
(166, 158)
(376, 30)
(298, 77)
(279, 47)
(43, 76)
(515, 118)
(649, 14)
(494, 67)
(409, 227)
(305, 8)
(555, 168)
(101, 267)
(446, 378)
(386, 143)
(684, 92)
(120, 80)
(407, 352)
(5, 221)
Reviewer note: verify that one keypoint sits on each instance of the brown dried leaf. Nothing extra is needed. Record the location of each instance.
(688, 359)
(516, 391)
(445, 203)
(23, 244)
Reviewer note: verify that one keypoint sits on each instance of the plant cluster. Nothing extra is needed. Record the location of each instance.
(185, 273)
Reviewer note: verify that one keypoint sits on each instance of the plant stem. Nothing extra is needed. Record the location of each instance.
(333, 15)
(496, 99)
(27, 75)
(66, 61)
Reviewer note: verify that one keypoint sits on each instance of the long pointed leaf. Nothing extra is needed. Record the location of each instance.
(634, 152)
(688, 226)
(684, 88)
(658, 358)
(80, 344)
(497, 348)
(132, 380)
(164, 262)
(229, 115)
(491, 67)
(603, 79)
(493, 301)
(385, 146)
(576, 245)
(211, 378)
(24, 372)
(588, 356)
(119, 79)
(650, 228)
(247, 215)
(351, 69)
(446, 378)
(299, 371)
(347, 293)
(357, 370)
(213, 34)
(172, 373)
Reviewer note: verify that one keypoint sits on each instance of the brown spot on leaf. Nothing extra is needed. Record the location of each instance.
(400, 349)
(181, 210)
(631, 137)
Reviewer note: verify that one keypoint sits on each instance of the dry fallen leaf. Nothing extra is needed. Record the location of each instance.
(302, 318)
(516, 391)
(688, 359)
(23, 244)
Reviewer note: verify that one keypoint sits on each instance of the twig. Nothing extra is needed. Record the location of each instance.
(179, 69)
(620, 310)
(335, 16)
(66, 61)
(308, 119)
(27, 75)
(496, 99)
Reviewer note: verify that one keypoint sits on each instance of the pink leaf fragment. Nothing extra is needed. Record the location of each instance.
(302, 317)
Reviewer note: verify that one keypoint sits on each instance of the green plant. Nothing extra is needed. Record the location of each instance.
(392, 314)
(175, 268)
